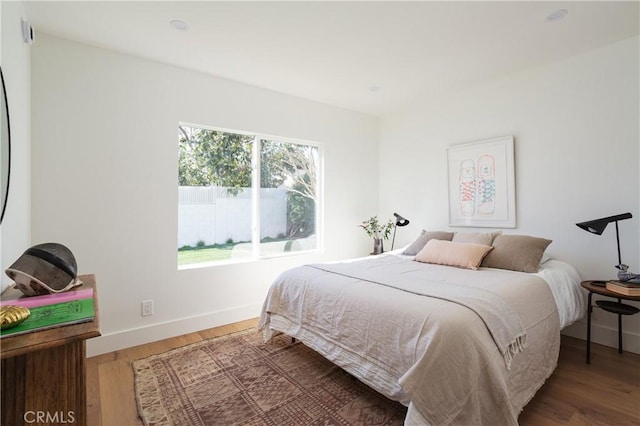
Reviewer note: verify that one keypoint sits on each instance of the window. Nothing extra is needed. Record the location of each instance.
(244, 196)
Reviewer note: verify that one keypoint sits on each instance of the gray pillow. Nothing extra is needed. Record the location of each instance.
(516, 253)
(424, 238)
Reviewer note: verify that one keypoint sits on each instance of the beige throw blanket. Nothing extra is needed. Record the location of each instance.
(501, 321)
(436, 356)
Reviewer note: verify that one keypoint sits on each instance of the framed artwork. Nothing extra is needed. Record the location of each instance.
(482, 190)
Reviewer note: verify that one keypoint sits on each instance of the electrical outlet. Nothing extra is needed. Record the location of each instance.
(147, 308)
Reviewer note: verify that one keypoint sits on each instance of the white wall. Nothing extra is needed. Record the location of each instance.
(576, 130)
(15, 232)
(104, 124)
(104, 176)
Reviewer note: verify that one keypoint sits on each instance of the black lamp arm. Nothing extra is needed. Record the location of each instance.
(618, 244)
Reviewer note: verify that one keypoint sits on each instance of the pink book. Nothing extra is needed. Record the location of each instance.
(49, 299)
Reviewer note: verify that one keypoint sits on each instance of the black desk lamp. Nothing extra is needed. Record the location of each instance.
(400, 221)
(598, 226)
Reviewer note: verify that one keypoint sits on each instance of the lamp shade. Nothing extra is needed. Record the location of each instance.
(401, 221)
(597, 226)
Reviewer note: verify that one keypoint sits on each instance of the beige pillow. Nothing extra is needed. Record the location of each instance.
(484, 238)
(424, 238)
(463, 255)
(516, 253)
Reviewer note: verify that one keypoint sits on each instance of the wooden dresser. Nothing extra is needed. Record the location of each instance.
(43, 372)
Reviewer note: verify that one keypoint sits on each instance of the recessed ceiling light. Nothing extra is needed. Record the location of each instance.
(558, 15)
(179, 25)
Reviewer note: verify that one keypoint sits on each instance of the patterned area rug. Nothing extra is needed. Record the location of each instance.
(239, 380)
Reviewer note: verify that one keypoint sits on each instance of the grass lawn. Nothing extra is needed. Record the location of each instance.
(205, 254)
(189, 255)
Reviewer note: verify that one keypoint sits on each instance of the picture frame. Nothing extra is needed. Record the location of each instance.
(481, 178)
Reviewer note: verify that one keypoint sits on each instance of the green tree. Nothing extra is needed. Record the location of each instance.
(211, 157)
(294, 166)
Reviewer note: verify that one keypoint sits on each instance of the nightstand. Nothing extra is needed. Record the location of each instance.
(609, 306)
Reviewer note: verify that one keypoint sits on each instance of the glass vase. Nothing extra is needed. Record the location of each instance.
(377, 246)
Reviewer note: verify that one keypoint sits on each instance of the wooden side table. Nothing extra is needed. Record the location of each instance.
(43, 372)
(609, 306)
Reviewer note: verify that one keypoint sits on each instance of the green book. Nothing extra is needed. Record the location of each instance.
(56, 315)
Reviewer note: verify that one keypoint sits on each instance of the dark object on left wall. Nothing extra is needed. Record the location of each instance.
(44, 269)
(5, 149)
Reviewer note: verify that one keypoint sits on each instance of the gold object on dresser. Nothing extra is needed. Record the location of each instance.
(11, 315)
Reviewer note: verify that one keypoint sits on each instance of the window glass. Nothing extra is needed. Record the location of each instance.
(288, 193)
(222, 217)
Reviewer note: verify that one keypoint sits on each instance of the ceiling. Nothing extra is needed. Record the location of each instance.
(372, 57)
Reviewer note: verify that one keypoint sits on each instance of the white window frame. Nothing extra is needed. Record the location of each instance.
(255, 197)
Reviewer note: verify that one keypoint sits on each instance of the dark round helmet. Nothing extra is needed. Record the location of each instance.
(43, 269)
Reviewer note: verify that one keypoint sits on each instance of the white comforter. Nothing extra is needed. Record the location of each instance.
(436, 356)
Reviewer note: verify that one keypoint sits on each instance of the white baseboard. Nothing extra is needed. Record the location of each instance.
(605, 335)
(139, 336)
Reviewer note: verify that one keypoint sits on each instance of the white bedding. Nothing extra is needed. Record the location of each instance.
(564, 282)
(430, 354)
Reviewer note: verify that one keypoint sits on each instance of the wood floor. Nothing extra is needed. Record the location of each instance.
(607, 392)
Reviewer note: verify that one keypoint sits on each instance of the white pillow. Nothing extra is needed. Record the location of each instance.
(484, 238)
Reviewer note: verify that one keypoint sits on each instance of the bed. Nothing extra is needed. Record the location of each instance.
(456, 345)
